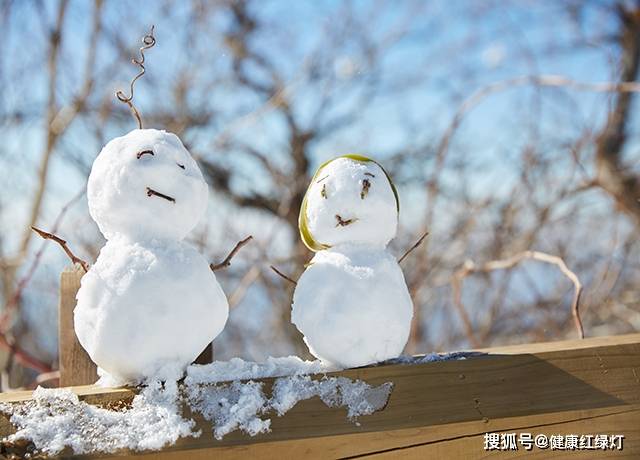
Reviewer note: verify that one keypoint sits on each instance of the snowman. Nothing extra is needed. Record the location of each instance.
(150, 304)
(352, 303)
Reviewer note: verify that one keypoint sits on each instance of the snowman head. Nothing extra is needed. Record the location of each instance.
(146, 185)
(351, 199)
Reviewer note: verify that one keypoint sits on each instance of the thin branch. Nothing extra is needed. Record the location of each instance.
(63, 245)
(227, 261)
(282, 275)
(22, 357)
(470, 268)
(21, 285)
(418, 243)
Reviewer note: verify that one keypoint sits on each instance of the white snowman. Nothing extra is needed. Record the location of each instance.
(351, 304)
(150, 304)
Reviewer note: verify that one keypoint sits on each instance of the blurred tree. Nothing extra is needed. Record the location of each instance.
(508, 127)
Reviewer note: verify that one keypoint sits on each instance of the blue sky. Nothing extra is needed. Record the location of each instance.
(451, 49)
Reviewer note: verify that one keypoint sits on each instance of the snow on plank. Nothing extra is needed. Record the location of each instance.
(433, 409)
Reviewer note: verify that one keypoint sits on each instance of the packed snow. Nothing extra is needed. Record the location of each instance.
(123, 172)
(352, 303)
(56, 419)
(150, 304)
(353, 306)
(355, 191)
(145, 306)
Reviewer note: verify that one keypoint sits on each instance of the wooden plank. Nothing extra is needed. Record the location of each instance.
(76, 368)
(443, 409)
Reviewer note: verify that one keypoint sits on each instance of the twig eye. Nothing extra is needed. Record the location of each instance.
(180, 166)
(145, 152)
(323, 192)
(365, 188)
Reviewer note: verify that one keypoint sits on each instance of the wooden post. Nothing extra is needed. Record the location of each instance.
(206, 356)
(76, 368)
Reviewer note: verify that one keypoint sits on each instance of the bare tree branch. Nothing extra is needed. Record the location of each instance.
(418, 243)
(282, 275)
(471, 268)
(227, 261)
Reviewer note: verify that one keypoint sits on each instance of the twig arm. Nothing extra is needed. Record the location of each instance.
(283, 276)
(418, 243)
(63, 245)
(227, 261)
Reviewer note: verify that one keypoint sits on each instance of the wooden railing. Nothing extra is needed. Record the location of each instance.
(440, 409)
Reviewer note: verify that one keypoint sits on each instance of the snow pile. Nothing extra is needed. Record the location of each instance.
(230, 407)
(56, 418)
(433, 357)
(245, 405)
(239, 369)
(357, 396)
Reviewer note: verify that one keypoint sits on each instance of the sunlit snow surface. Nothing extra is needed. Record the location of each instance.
(222, 392)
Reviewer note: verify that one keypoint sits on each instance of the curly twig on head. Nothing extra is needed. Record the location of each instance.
(147, 41)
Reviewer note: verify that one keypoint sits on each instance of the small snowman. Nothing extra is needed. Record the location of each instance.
(151, 303)
(352, 303)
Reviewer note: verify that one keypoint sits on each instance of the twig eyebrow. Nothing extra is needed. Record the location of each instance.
(322, 178)
(144, 152)
(369, 174)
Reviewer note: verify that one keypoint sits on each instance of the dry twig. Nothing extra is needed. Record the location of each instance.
(418, 243)
(63, 245)
(282, 275)
(227, 261)
(148, 41)
(470, 268)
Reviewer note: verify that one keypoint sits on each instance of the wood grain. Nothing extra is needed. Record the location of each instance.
(76, 368)
(442, 409)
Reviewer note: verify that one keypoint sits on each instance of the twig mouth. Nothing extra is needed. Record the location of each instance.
(152, 192)
(343, 223)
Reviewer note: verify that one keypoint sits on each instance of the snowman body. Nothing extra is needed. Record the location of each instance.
(150, 304)
(351, 304)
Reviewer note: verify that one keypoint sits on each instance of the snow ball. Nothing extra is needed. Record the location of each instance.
(146, 184)
(139, 316)
(349, 201)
